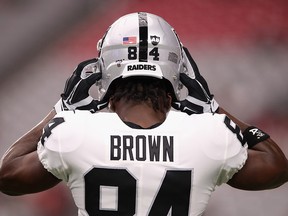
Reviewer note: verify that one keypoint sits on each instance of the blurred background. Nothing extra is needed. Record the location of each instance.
(241, 48)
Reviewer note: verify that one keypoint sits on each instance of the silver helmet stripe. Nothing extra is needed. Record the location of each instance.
(143, 37)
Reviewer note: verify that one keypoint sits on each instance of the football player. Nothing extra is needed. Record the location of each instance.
(140, 156)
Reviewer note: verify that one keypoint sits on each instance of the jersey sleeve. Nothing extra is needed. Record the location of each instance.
(49, 148)
(235, 152)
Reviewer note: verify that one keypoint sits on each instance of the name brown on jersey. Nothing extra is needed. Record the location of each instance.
(142, 148)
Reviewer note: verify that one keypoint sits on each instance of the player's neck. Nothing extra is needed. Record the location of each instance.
(140, 114)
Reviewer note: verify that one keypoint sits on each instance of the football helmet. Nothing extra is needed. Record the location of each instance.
(140, 44)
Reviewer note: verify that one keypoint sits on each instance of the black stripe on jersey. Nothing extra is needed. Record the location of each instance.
(143, 37)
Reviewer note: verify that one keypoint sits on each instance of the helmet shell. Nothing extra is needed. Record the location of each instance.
(140, 44)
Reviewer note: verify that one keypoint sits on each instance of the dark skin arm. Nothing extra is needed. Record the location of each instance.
(21, 172)
(266, 166)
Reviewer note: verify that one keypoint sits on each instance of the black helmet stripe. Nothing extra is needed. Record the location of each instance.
(143, 37)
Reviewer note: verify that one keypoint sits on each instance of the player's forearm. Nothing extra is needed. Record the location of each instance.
(267, 163)
(15, 158)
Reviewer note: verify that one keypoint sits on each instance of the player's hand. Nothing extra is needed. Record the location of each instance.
(76, 91)
(199, 99)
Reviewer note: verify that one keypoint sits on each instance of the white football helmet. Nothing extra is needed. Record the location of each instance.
(140, 44)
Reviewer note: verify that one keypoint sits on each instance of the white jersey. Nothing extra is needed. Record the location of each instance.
(113, 169)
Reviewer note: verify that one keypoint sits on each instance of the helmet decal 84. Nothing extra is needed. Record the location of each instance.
(140, 44)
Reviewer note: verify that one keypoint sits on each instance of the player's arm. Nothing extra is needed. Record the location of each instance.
(266, 166)
(21, 172)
